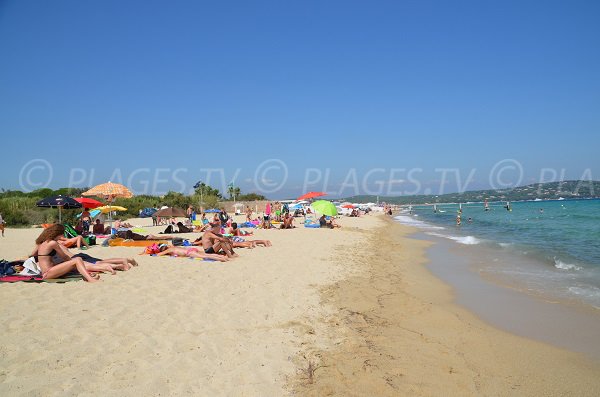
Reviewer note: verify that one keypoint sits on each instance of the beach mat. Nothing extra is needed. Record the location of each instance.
(38, 279)
(119, 242)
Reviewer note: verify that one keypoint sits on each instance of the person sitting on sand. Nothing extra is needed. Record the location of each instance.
(224, 217)
(98, 227)
(265, 223)
(333, 224)
(48, 247)
(92, 264)
(330, 223)
(288, 221)
(86, 220)
(189, 252)
(215, 243)
(236, 231)
(73, 241)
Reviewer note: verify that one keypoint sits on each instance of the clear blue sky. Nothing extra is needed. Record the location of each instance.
(111, 87)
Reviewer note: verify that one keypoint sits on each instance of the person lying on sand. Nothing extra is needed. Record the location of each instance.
(48, 247)
(189, 252)
(118, 224)
(129, 235)
(71, 242)
(113, 264)
(237, 237)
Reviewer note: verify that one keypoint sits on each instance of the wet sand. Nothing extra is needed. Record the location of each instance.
(509, 306)
(397, 331)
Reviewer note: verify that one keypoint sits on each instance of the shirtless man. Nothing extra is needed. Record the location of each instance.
(212, 242)
(288, 221)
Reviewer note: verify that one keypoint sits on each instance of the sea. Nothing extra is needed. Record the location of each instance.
(550, 249)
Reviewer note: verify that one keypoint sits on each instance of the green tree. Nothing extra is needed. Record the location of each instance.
(251, 197)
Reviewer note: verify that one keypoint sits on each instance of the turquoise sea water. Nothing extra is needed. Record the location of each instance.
(549, 246)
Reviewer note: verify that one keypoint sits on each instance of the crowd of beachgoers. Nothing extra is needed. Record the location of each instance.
(219, 239)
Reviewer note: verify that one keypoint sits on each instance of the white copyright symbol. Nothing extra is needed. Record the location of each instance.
(35, 174)
(507, 173)
(270, 175)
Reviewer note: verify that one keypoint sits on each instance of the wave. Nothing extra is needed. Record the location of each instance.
(410, 221)
(592, 292)
(467, 240)
(565, 266)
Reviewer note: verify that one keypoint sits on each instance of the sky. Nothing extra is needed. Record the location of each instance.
(284, 97)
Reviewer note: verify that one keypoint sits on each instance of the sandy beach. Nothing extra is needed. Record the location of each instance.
(341, 312)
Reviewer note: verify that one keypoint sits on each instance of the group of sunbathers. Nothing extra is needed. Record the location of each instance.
(217, 242)
(55, 260)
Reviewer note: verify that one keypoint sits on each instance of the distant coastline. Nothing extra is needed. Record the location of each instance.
(567, 190)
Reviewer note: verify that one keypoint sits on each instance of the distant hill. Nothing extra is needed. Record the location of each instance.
(543, 191)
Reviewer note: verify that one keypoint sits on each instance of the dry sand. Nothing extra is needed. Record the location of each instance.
(322, 312)
(171, 326)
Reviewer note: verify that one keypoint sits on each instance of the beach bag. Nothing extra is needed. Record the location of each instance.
(90, 240)
(177, 241)
(6, 268)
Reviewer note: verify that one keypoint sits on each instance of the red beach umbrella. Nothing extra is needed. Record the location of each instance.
(88, 202)
(311, 195)
(347, 206)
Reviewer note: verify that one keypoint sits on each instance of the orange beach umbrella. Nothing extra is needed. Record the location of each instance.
(109, 190)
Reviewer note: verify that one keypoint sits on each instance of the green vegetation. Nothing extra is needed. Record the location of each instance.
(19, 209)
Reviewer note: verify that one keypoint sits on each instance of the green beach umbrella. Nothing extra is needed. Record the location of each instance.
(325, 207)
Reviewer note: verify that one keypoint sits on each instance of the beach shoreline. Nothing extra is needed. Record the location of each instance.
(397, 330)
(351, 311)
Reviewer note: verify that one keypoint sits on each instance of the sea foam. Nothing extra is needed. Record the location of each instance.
(467, 240)
(565, 266)
(410, 221)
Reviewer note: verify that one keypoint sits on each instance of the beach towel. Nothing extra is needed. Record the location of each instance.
(39, 279)
(30, 268)
(119, 242)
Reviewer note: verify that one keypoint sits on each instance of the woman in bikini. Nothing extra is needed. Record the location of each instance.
(48, 247)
